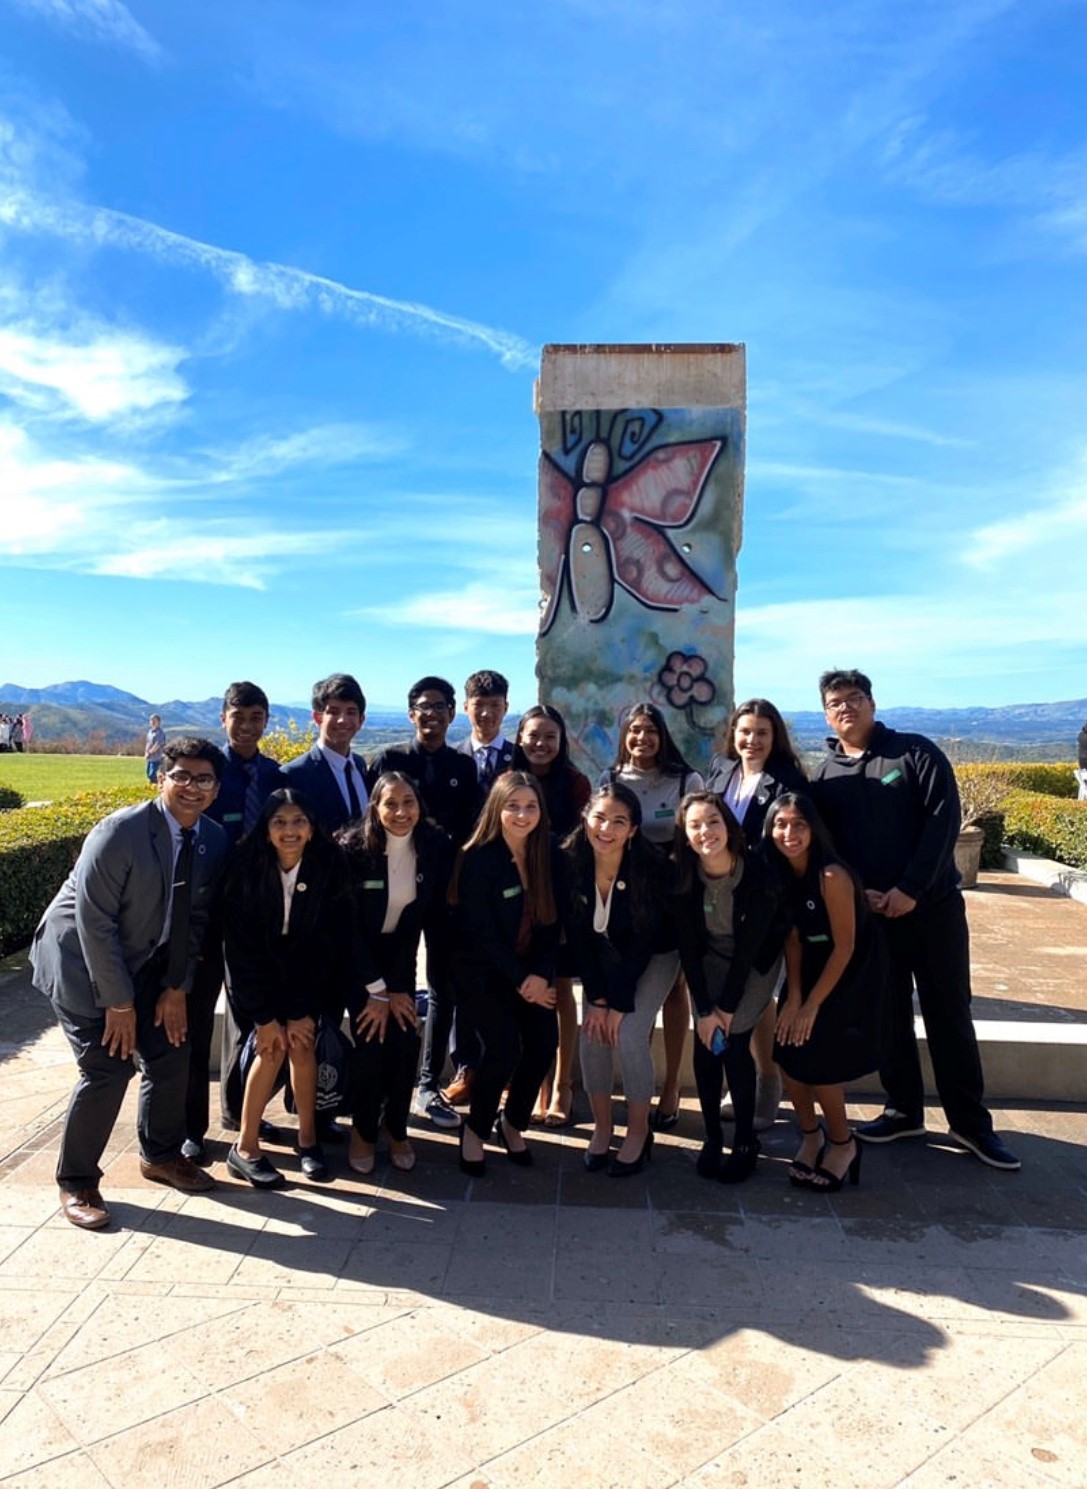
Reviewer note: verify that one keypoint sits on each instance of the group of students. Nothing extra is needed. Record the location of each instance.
(655, 888)
(523, 876)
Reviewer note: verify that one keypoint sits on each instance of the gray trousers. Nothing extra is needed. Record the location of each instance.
(635, 1055)
(100, 1090)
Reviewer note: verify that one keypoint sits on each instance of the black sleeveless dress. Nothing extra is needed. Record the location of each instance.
(848, 1038)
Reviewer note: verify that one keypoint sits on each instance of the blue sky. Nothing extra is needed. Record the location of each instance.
(274, 277)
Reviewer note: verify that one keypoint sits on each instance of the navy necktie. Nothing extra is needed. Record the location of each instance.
(254, 798)
(177, 958)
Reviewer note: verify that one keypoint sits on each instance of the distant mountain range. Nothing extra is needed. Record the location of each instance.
(113, 719)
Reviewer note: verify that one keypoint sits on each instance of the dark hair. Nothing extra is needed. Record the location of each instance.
(644, 866)
(486, 684)
(253, 868)
(369, 836)
(781, 747)
(245, 695)
(839, 677)
(432, 685)
(488, 828)
(187, 747)
(519, 760)
(823, 851)
(686, 861)
(670, 761)
(338, 687)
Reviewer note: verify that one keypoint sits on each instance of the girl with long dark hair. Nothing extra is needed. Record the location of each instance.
(758, 764)
(400, 865)
(619, 935)
(290, 954)
(650, 763)
(505, 936)
(831, 1016)
(729, 918)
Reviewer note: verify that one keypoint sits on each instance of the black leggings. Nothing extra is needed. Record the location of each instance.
(382, 1076)
(710, 1072)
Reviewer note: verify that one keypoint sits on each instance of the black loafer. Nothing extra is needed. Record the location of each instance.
(195, 1152)
(313, 1164)
(257, 1171)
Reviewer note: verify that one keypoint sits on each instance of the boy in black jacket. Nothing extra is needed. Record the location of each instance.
(892, 804)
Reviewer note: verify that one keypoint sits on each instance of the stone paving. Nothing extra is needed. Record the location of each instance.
(550, 1327)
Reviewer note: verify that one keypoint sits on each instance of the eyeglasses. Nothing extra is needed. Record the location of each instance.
(186, 778)
(851, 700)
(430, 708)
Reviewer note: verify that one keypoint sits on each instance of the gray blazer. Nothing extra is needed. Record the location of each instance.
(108, 916)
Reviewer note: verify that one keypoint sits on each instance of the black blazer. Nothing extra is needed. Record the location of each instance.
(760, 924)
(312, 774)
(312, 969)
(780, 776)
(487, 919)
(452, 797)
(610, 963)
(393, 956)
(502, 745)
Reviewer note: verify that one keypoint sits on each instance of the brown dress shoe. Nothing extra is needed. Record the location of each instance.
(459, 1090)
(85, 1208)
(179, 1173)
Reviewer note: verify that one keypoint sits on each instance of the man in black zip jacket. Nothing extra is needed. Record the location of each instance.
(892, 805)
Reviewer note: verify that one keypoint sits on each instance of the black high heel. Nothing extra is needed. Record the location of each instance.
(523, 1158)
(800, 1173)
(708, 1163)
(475, 1168)
(617, 1169)
(828, 1183)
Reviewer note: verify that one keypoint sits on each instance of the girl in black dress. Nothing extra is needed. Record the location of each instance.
(291, 953)
(830, 1013)
(542, 748)
(400, 867)
(505, 936)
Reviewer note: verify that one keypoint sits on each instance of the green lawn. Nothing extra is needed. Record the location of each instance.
(53, 777)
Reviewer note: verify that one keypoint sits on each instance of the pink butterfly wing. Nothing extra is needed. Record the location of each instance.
(661, 491)
(556, 515)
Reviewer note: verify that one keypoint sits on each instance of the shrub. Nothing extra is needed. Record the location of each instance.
(1048, 826)
(1048, 778)
(287, 744)
(38, 846)
(10, 798)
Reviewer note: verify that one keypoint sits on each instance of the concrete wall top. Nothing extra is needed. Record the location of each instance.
(659, 375)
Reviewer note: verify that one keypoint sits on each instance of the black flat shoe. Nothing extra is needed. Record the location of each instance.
(523, 1157)
(313, 1164)
(258, 1171)
(475, 1168)
(617, 1169)
(708, 1163)
(595, 1162)
(740, 1163)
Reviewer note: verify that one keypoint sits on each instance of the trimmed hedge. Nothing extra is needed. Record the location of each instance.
(10, 799)
(1048, 826)
(38, 846)
(1048, 778)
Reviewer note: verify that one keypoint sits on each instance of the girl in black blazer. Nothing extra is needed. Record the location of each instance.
(290, 947)
(400, 874)
(622, 946)
(505, 937)
(759, 764)
(731, 928)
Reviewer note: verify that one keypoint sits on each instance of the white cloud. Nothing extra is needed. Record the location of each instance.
(322, 446)
(508, 609)
(96, 371)
(281, 285)
(99, 20)
(215, 553)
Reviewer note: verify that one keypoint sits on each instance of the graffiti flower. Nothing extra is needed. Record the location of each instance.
(684, 680)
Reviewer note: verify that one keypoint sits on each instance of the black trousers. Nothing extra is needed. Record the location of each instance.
(208, 981)
(383, 1076)
(449, 1028)
(931, 947)
(518, 1040)
(710, 1073)
(103, 1080)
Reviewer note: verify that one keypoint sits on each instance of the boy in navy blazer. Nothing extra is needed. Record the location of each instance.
(486, 701)
(330, 774)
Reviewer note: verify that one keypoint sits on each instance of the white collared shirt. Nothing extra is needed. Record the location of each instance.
(341, 764)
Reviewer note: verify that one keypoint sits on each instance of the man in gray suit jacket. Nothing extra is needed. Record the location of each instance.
(115, 953)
